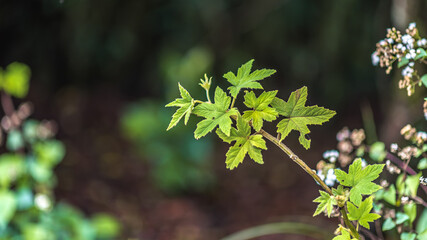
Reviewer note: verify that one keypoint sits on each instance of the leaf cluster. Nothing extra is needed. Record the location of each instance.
(222, 115)
(355, 184)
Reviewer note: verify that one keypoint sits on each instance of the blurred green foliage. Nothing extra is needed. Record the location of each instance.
(15, 79)
(177, 161)
(28, 210)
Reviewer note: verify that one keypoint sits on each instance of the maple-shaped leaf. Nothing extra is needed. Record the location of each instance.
(261, 111)
(246, 79)
(362, 214)
(360, 179)
(185, 104)
(245, 144)
(325, 201)
(216, 114)
(298, 116)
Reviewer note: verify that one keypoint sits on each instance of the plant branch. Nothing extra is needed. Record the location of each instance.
(349, 224)
(312, 173)
(233, 102)
(296, 159)
(207, 95)
(419, 200)
(402, 165)
(7, 104)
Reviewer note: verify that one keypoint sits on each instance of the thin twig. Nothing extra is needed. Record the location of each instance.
(312, 173)
(401, 165)
(379, 230)
(296, 159)
(7, 104)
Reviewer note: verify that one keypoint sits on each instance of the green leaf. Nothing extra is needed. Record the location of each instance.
(216, 114)
(408, 185)
(11, 168)
(32, 231)
(185, 104)
(362, 214)
(424, 80)
(106, 226)
(411, 210)
(422, 236)
(246, 79)
(15, 79)
(24, 198)
(390, 195)
(411, 184)
(260, 111)
(49, 153)
(422, 222)
(403, 61)
(14, 141)
(388, 224)
(8, 207)
(297, 116)
(422, 54)
(360, 179)
(325, 201)
(245, 144)
(377, 152)
(408, 236)
(422, 164)
(401, 217)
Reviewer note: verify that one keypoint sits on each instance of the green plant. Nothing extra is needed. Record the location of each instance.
(28, 210)
(245, 129)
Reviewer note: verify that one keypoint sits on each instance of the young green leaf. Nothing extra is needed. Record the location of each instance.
(15, 79)
(8, 203)
(185, 104)
(424, 80)
(261, 111)
(297, 116)
(216, 114)
(408, 236)
(362, 214)
(344, 236)
(422, 222)
(401, 217)
(246, 79)
(388, 224)
(411, 210)
(245, 144)
(325, 201)
(360, 179)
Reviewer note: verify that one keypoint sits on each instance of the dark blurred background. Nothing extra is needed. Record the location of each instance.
(105, 69)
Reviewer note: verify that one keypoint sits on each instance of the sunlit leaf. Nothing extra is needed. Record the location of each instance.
(362, 214)
(360, 179)
(298, 116)
(216, 114)
(246, 79)
(261, 111)
(245, 144)
(15, 79)
(325, 201)
(185, 104)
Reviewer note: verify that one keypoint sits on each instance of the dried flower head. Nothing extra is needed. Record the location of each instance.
(357, 136)
(345, 146)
